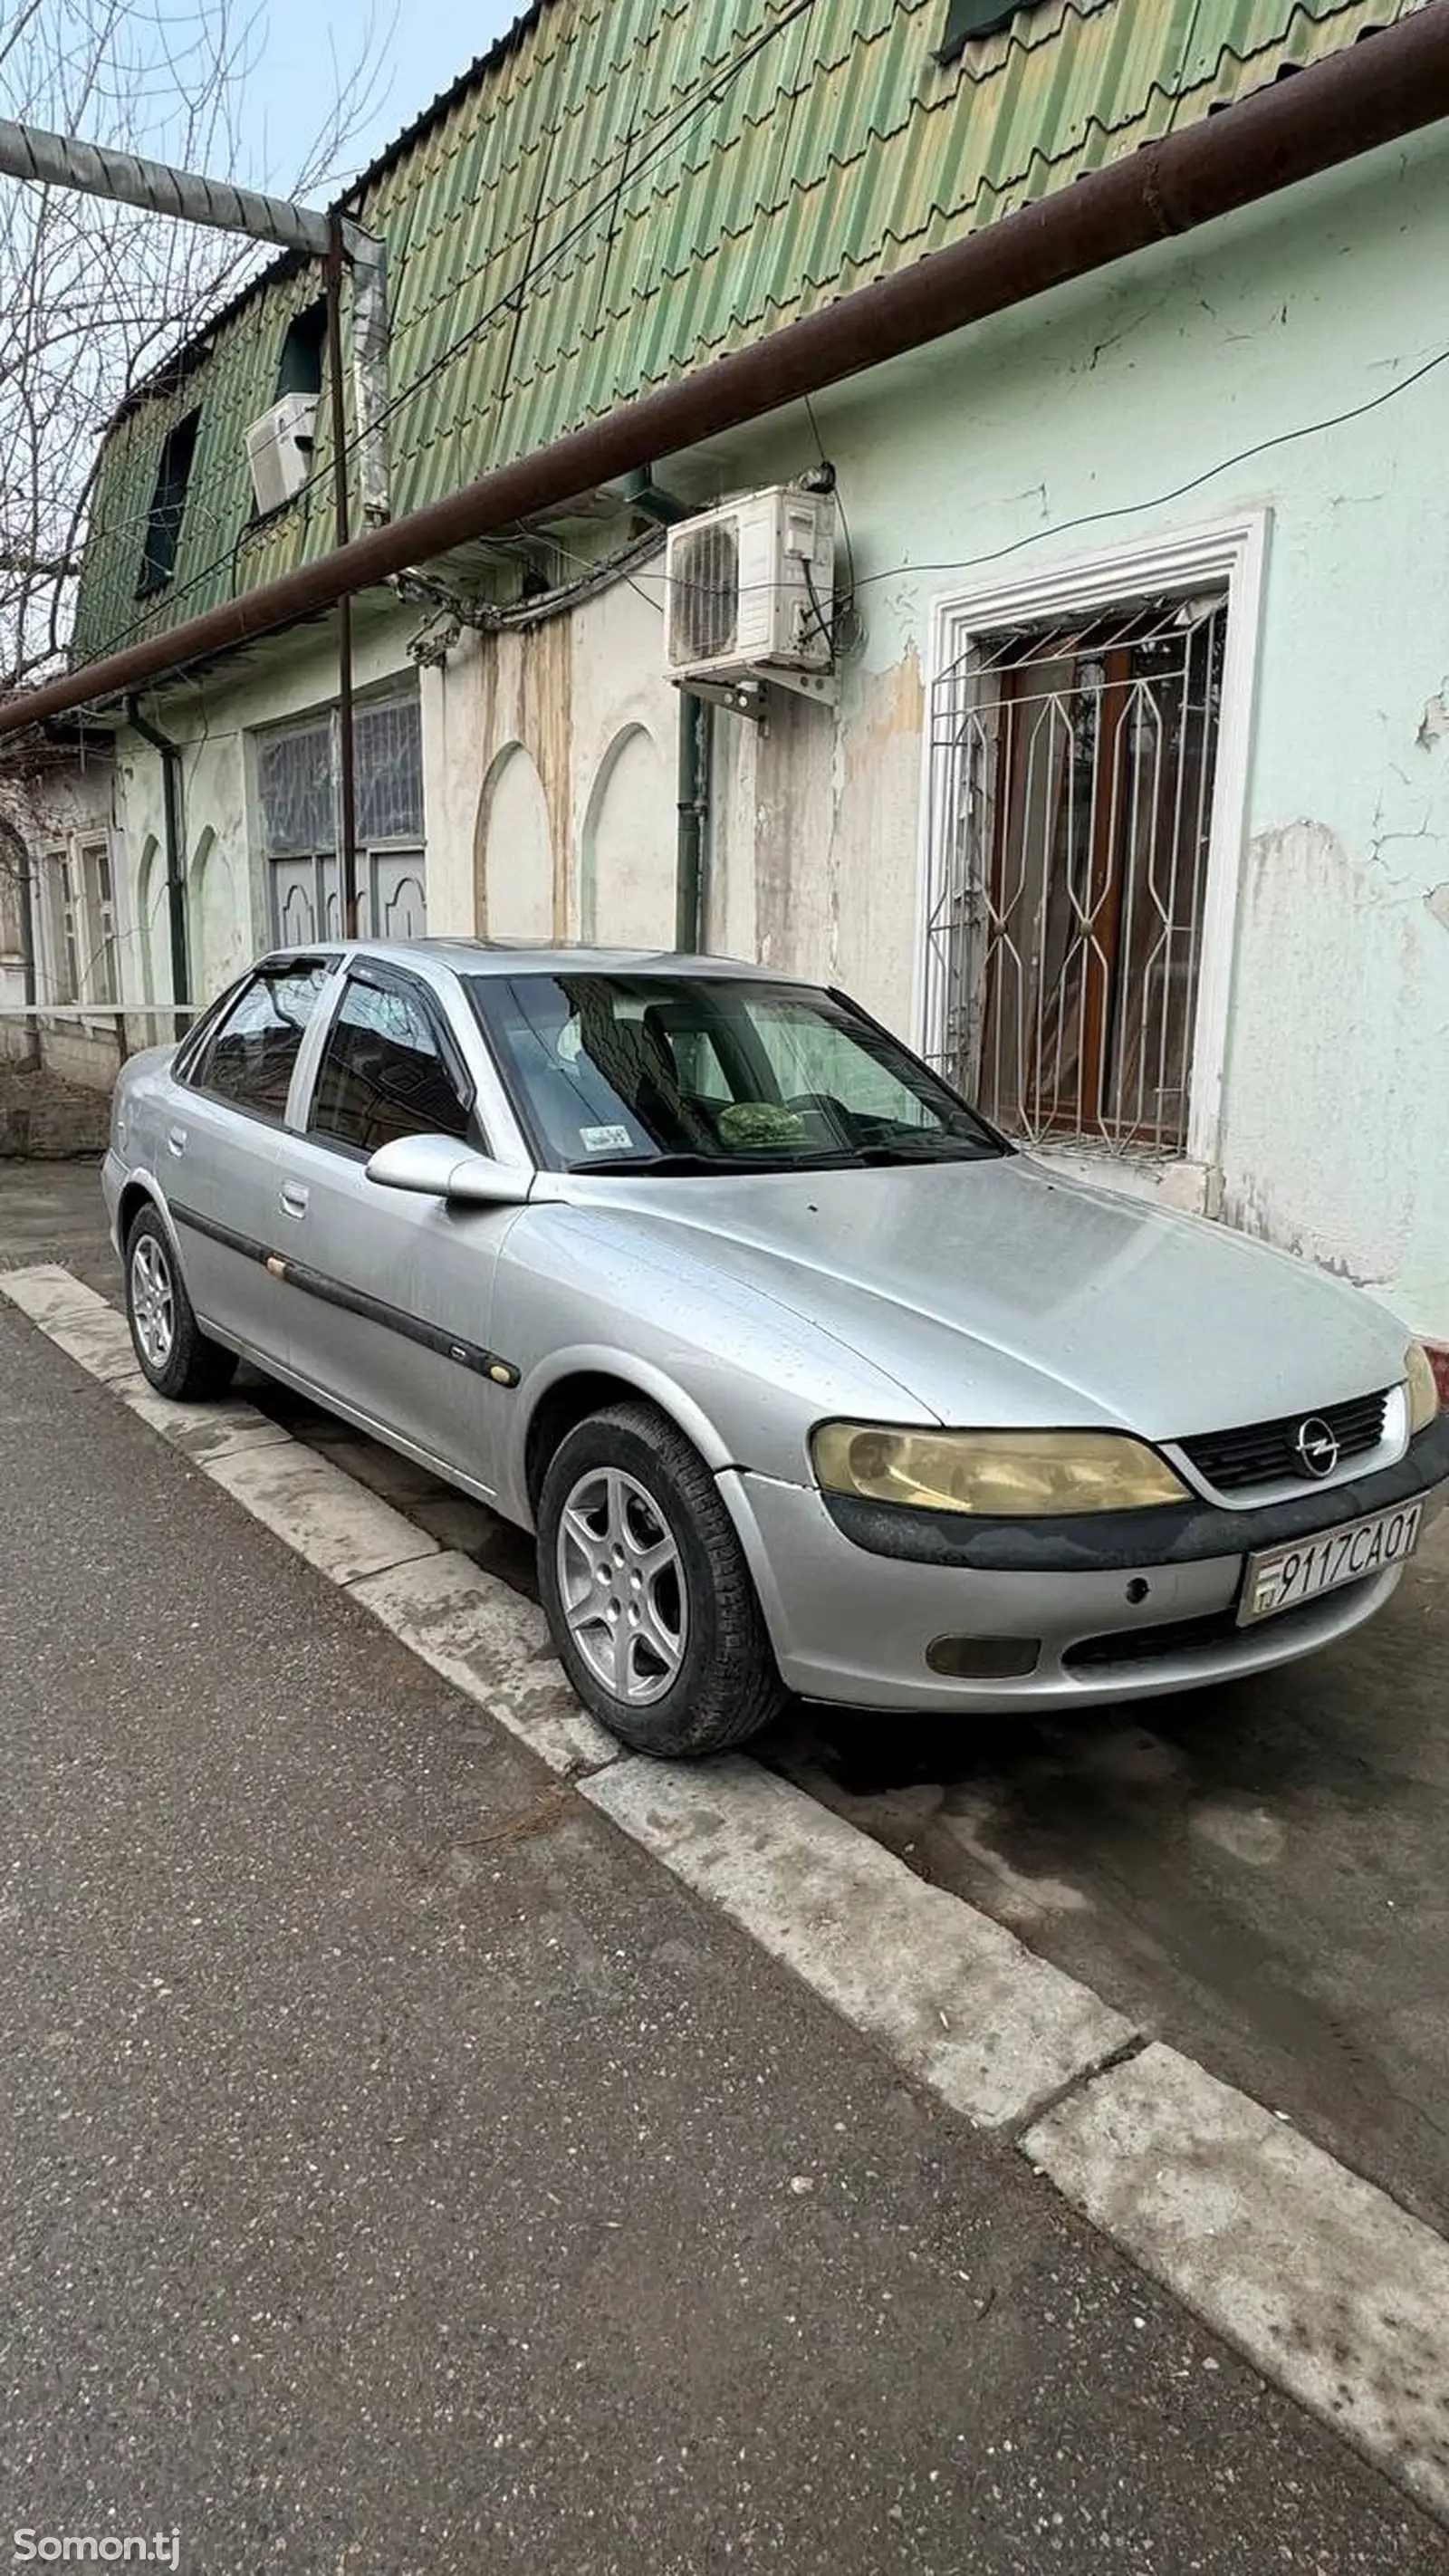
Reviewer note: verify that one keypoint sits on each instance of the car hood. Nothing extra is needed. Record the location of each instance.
(1001, 1293)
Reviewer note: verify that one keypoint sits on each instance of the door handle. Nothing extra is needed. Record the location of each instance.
(293, 1200)
(176, 1140)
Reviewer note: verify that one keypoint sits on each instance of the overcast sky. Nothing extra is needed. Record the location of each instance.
(428, 42)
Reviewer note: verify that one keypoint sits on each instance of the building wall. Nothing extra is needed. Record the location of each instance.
(1100, 418)
(1042, 440)
(54, 807)
(668, 180)
(227, 918)
(550, 759)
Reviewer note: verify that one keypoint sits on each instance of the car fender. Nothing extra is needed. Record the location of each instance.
(657, 1387)
(743, 1375)
(605, 1359)
(139, 1176)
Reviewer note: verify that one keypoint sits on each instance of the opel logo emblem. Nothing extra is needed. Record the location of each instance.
(1317, 1447)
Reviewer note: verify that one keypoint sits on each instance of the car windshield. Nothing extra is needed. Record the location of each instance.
(695, 1074)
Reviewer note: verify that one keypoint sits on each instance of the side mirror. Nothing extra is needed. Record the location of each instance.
(439, 1167)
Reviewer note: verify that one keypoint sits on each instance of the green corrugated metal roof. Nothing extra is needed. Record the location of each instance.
(626, 187)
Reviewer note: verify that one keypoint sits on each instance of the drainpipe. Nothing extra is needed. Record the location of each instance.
(346, 734)
(696, 745)
(175, 854)
(696, 738)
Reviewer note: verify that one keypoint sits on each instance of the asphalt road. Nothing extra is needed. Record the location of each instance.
(1259, 1873)
(1256, 1874)
(402, 2174)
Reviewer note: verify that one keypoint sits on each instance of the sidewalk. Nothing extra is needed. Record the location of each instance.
(401, 2175)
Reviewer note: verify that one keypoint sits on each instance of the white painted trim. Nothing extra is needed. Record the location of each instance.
(1234, 550)
(1226, 842)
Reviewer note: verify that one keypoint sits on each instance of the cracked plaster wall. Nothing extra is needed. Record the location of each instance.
(1046, 437)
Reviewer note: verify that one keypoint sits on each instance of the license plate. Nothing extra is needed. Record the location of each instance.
(1282, 1577)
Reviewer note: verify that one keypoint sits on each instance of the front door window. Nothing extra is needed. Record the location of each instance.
(384, 1074)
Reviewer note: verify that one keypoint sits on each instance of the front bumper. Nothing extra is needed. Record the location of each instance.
(852, 1612)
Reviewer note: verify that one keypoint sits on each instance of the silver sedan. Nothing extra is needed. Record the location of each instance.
(805, 1378)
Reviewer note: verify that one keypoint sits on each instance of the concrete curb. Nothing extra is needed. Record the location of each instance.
(1323, 2282)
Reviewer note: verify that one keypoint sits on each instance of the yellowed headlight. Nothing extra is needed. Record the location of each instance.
(1007, 1474)
(1423, 1388)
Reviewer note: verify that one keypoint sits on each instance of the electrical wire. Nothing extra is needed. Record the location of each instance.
(1177, 491)
(511, 299)
(849, 600)
(1130, 509)
(1117, 510)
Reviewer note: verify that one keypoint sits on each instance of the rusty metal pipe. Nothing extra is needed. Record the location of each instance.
(346, 732)
(1390, 85)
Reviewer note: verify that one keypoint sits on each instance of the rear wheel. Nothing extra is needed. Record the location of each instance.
(647, 1591)
(175, 1355)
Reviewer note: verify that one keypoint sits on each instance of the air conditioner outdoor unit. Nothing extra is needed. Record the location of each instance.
(279, 450)
(750, 591)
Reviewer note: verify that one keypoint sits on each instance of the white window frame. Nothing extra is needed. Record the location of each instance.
(60, 953)
(13, 858)
(1232, 551)
(95, 915)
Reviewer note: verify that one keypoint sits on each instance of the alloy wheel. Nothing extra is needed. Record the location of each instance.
(621, 1583)
(153, 1301)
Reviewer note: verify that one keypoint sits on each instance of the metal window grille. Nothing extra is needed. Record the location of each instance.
(297, 784)
(1072, 781)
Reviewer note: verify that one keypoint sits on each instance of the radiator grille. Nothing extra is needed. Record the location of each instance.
(1267, 1453)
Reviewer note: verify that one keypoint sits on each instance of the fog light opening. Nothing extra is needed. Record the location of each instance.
(984, 1659)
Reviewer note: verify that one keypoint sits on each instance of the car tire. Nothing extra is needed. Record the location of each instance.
(175, 1355)
(647, 1591)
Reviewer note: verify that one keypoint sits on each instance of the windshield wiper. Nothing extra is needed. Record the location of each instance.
(931, 1149)
(721, 1166)
(665, 1164)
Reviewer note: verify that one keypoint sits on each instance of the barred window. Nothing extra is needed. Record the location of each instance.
(1073, 770)
(297, 778)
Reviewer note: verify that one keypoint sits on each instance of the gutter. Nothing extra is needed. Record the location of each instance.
(1388, 85)
(175, 849)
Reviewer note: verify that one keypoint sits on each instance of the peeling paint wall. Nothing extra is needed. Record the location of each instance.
(1195, 384)
(1107, 415)
(581, 707)
(58, 808)
(227, 920)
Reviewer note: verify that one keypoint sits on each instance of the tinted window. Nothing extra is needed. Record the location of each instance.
(249, 1057)
(623, 1070)
(383, 1073)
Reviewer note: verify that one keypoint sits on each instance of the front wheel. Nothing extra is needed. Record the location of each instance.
(647, 1591)
(175, 1355)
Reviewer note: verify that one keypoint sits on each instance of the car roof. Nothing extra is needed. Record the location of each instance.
(504, 957)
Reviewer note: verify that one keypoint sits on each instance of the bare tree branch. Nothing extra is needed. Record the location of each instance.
(92, 296)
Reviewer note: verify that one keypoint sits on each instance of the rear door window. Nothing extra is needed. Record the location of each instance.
(387, 1072)
(251, 1054)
